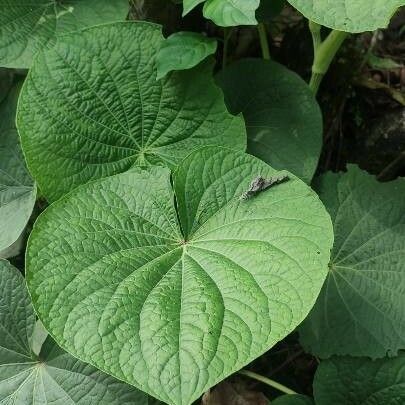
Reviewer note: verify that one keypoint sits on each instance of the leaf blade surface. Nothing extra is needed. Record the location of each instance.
(92, 102)
(55, 377)
(360, 309)
(157, 302)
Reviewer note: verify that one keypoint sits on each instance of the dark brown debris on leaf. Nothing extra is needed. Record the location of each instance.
(233, 393)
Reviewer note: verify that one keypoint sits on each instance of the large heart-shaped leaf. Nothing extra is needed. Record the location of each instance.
(350, 16)
(28, 26)
(17, 189)
(171, 306)
(283, 119)
(54, 377)
(93, 104)
(226, 13)
(361, 309)
(183, 50)
(349, 381)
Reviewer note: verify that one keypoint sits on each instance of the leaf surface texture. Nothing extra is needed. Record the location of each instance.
(55, 377)
(174, 298)
(360, 311)
(92, 103)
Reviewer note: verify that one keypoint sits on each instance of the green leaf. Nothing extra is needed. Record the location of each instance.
(283, 119)
(183, 50)
(376, 62)
(39, 335)
(189, 5)
(27, 27)
(269, 9)
(93, 104)
(55, 377)
(17, 189)
(118, 283)
(226, 13)
(361, 309)
(6, 82)
(348, 381)
(349, 16)
(294, 399)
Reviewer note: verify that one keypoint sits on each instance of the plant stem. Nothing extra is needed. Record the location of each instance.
(264, 43)
(324, 52)
(391, 166)
(267, 381)
(316, 34)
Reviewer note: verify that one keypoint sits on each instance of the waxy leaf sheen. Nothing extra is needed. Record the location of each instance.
(349, 15)
(92, 107)
(17, 189)
(26, 27)
(226, 13)
(54, 377)
(174, 287)
(183, 50)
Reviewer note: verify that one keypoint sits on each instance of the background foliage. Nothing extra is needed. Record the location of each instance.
(201, 201)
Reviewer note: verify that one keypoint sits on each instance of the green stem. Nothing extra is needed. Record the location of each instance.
(324, 52)
(267, 381)
(264, 43)
(316, 34)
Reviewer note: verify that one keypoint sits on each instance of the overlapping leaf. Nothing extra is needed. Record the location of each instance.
(183, 50)
(294, 399)
(17, 189)
(348, 381)
(226, 12)
(54, 377)
(174, 306)
(92, 107)
(361, 310)
(6, 82)
(27, 27)
(349, 15)
(283, 119)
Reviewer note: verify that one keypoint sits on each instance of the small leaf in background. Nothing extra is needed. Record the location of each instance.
(349, 381)
(376, 62)
(175, 299)
(233, 393)
(27, 27)
(183, 50)
(93, 103)
(39, 335)
(349, 16)
(269, 9)
(283, 119)
(17, 189)
(361, 310)
(294, 399)
(226, 13)
(54, 377)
